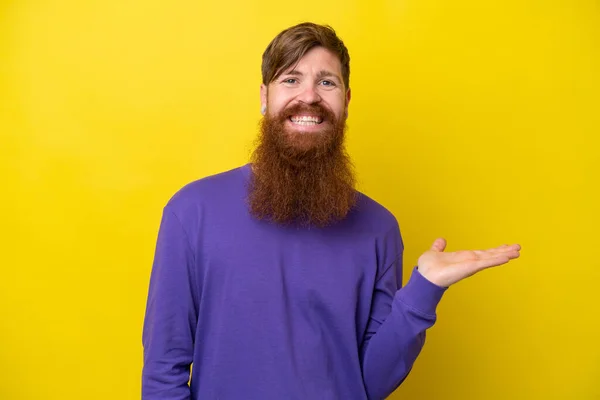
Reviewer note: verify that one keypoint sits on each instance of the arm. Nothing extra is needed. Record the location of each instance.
(171, 315)
(399, 318)
(396, 330)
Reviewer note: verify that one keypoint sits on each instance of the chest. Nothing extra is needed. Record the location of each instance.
(256, 265)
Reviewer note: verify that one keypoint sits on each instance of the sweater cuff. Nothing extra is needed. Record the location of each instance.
(420, 294)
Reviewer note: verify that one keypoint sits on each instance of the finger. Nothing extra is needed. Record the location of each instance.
(507, 247)
(511, 251)
(439, 245)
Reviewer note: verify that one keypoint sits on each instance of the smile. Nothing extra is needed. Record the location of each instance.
(306, 120)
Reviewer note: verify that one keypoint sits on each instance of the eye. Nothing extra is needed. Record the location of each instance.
(327, 83)
(290, 81)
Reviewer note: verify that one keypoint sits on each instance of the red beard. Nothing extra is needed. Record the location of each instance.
(302, 177)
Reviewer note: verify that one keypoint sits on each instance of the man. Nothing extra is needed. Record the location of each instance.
(278, 280)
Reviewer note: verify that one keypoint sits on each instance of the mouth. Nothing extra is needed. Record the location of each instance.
(306, 120)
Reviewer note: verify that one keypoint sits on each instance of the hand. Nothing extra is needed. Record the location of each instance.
(445, 269)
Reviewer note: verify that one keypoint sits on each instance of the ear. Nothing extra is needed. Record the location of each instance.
(263, 98)
(348, 96)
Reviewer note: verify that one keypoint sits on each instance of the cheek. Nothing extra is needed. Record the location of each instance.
(338, 106)
(276, 103)
(336, 99)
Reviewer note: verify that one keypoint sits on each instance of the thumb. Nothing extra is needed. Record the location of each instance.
(439, 245)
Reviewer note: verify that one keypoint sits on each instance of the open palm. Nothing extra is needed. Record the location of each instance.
(445, 269)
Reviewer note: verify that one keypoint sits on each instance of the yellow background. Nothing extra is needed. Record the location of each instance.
(473, 120)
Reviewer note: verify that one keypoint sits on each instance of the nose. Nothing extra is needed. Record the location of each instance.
(309, 95)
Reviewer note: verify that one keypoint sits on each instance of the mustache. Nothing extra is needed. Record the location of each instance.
(314, 109)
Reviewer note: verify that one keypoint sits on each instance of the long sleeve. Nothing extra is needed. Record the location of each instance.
(171, 315)
(396, 330)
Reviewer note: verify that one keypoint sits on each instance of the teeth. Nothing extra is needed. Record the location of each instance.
(306, 120)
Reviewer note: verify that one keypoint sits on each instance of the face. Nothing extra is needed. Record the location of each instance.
(302, 172)
(310, 96)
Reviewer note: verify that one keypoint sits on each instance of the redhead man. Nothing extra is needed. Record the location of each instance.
(277, 279)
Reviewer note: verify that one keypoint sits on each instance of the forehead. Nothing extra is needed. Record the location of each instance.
(318, 58)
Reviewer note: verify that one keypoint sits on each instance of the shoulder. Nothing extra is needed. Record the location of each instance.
(215, 188)
(374, 216)
(380, 228)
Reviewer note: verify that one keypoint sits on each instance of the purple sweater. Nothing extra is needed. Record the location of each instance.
(271, 312)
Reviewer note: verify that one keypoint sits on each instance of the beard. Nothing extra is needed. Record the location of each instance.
(301, 177)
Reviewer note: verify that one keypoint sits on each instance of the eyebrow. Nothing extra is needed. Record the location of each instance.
(320, 75)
